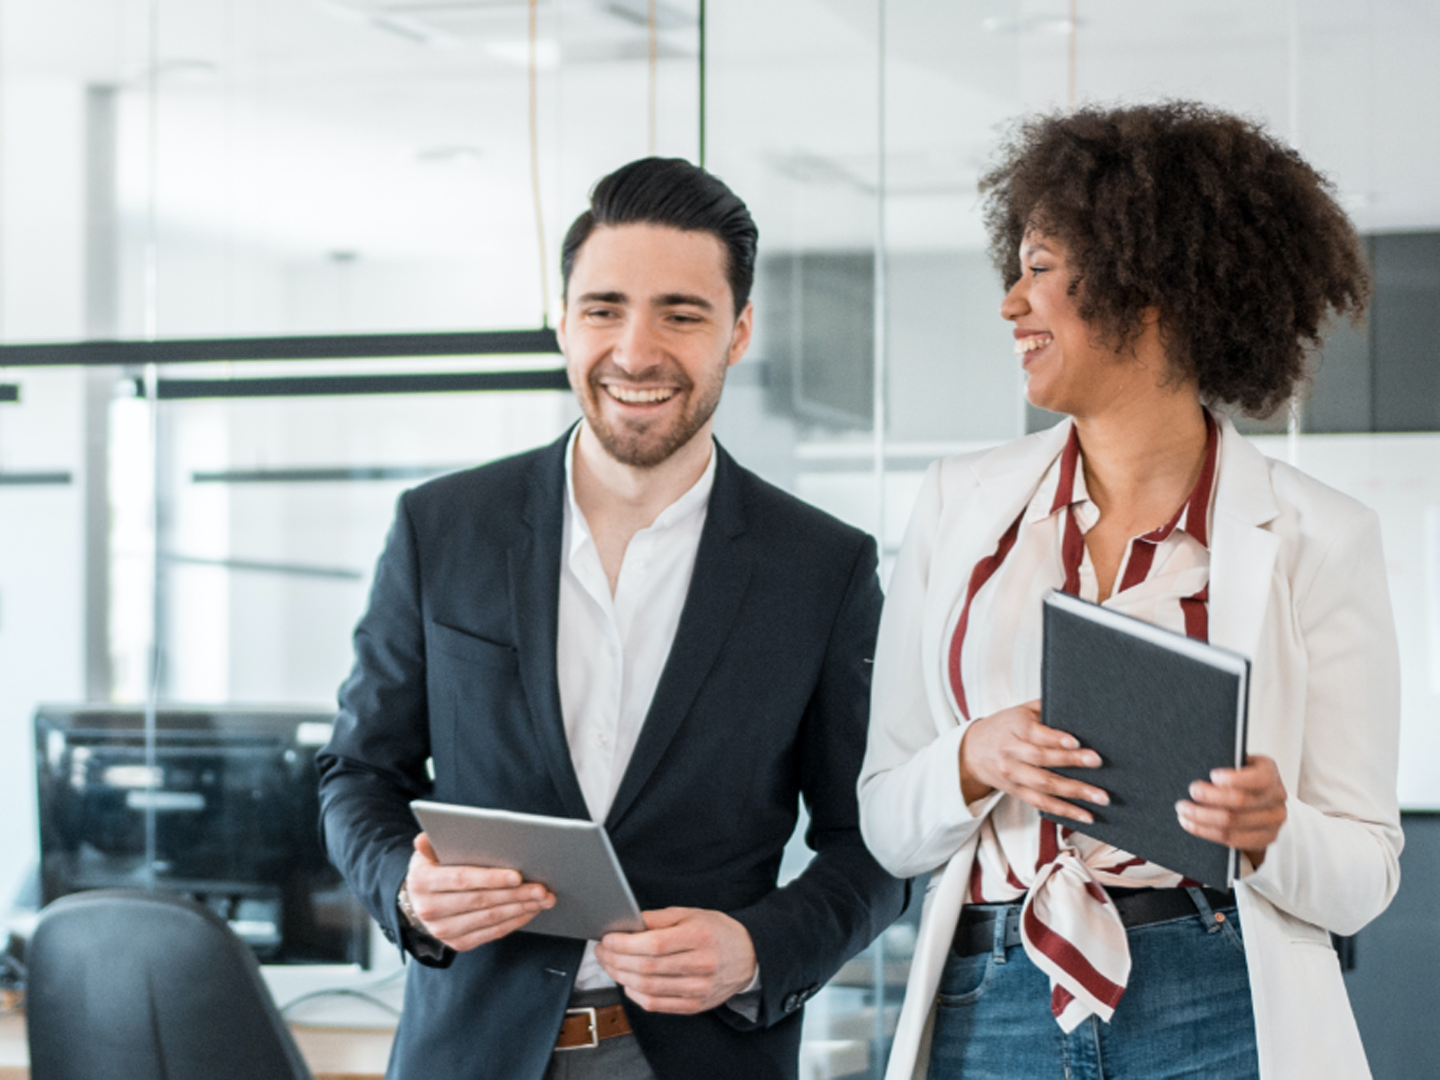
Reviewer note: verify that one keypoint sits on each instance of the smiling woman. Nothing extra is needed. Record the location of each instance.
(1159, 260)
(1195, 213)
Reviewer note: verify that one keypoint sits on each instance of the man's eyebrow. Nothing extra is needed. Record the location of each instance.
(682, 300)
(602, 298)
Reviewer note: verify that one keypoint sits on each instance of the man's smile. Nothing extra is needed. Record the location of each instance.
(630, 395)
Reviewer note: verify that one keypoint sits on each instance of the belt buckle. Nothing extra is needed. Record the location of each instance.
(594, 1028)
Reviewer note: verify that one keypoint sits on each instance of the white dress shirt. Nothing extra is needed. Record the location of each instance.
(610, 650)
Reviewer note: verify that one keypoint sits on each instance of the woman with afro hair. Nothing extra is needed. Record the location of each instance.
(1163, 263)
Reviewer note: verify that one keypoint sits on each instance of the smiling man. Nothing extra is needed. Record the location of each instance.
(625, 626)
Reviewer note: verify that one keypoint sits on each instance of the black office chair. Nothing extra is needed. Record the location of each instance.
(137, 985)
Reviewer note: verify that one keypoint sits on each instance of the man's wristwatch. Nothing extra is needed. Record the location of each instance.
(402, 901)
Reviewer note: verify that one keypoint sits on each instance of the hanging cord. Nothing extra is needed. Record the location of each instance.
(701, 161)
(535, 168)
(1070, 67)
(653, 53)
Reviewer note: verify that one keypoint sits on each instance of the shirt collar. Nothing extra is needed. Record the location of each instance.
(693, 501)
(1064, 485)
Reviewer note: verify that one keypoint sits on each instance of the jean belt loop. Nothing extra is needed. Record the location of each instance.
(1002, 919)
(1207, 916)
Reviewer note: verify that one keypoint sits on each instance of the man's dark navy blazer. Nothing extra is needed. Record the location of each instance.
(763, 699)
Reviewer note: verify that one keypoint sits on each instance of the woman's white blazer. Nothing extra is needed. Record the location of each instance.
(1297, 583)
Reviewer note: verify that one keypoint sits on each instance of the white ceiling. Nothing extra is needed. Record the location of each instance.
(397, 129)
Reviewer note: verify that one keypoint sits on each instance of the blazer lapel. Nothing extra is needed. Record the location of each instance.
(535, 589)
(717, 586)
(1242, 552)
(1005, 480)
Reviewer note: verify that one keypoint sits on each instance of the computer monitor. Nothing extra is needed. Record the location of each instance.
(226, 812)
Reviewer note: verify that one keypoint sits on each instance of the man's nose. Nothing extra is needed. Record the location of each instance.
(637, 347)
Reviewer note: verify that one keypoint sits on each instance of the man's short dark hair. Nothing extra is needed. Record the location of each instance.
(673, 192)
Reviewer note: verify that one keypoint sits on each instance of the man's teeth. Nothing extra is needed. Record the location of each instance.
(1030, 344)
(640, 397)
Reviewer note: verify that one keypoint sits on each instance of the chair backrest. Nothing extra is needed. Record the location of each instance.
(133, 984)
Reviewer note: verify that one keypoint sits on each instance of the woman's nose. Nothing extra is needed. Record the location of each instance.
(1015, 303)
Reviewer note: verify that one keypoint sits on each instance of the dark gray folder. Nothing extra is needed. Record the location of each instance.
(1161, 710)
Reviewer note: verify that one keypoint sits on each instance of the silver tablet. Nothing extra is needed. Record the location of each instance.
(572, 858)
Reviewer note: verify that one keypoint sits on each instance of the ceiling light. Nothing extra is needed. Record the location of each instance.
(547, 53)
(449, 155)
(1028, 24)
(183, 69)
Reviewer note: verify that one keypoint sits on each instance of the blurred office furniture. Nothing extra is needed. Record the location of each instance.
(220, 806)
(819, 327)
(333, 1053)
(127, 983)
(1393, 962)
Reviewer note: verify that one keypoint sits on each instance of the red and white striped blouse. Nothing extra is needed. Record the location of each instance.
(1069, 926)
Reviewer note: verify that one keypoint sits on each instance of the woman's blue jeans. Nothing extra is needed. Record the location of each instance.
(1186, 1013)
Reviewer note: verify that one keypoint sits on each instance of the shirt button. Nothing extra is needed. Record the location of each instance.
(602, 739)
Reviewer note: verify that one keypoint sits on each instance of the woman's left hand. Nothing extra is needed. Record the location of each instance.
(1240, 808)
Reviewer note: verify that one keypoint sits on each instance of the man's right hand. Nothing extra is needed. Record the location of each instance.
(466, 906)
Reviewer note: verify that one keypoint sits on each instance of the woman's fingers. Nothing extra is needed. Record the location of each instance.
(1052, 793)
(1240, 808)
(1014, 752)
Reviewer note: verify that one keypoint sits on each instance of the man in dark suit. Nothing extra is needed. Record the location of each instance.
(626, 626)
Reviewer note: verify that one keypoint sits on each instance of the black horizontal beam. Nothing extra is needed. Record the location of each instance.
(265, 567)
(336, 385)
(34, 479)
(309, 347)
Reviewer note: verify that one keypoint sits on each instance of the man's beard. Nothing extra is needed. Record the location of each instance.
(638, 443)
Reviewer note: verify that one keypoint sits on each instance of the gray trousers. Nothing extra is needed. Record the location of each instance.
(613, 1059)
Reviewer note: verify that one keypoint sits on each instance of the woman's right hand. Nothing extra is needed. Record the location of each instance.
(1012, 751)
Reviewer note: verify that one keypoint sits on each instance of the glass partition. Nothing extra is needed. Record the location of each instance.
(273, 511)
(50, 482)
(221, 169)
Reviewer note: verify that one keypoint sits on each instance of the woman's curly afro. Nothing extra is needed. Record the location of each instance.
(1227, 231)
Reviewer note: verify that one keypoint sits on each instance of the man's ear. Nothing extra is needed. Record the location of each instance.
(560, 327)
(744, 328)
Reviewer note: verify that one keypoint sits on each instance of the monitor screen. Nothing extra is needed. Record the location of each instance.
(225, 810)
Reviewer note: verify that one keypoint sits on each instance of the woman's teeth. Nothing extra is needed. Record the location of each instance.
(1031, 343)
(640, 397)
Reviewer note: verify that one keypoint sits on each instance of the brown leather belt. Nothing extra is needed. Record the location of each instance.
(583, 1028)
(1137, 907)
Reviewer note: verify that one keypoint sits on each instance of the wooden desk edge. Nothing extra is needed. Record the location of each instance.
(333, 1053)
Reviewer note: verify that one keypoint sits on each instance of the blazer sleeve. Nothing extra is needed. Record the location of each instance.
(806, 930)
(375, 762)
(911, 811)
(1336, 862)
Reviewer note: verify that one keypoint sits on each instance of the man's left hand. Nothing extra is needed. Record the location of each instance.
(686, 961)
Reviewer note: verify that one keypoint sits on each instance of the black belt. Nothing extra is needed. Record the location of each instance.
(1137, 907)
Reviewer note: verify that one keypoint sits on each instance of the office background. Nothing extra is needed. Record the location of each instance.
(361, 177)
